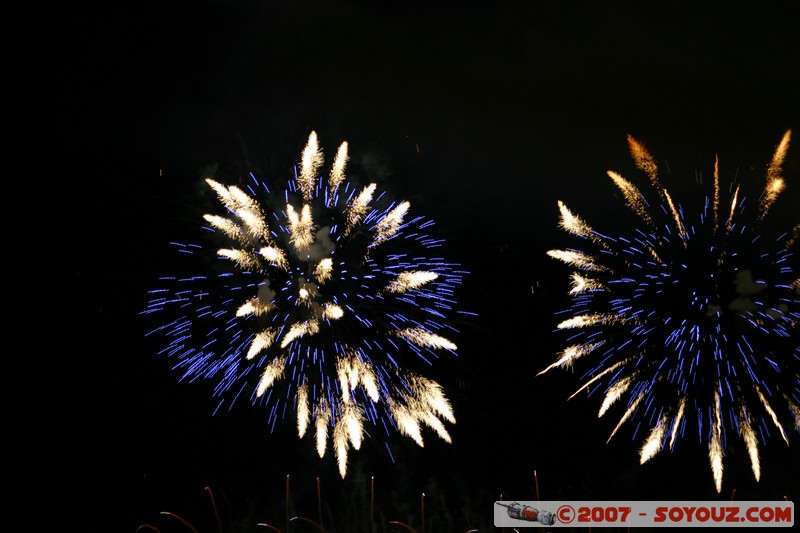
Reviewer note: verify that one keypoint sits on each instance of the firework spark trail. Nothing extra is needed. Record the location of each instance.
(775, 183)
(682, 317)
(327, 303)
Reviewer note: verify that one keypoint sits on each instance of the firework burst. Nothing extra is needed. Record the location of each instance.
(691, 322)
(326, 297)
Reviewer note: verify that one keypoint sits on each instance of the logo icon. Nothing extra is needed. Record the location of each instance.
(528, 513)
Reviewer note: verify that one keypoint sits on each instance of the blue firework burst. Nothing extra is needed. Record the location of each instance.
(690, 318)
(326, 301)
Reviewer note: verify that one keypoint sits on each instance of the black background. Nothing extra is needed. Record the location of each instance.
(483, 115)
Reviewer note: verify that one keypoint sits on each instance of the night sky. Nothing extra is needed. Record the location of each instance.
(483, 115)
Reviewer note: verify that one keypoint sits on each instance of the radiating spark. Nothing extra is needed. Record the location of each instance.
(324, 270)
(644, 160)
(411, 280)
(311, 161)
(352, 421)
(576, 225)
(341, 445)
(435, 424)
(772, 413)
(775, 183)
(303, 410)
(225, 225)
(654, 441)
(368, 380)
(420, 337)
(582, 283)
(360, 207)
(255, 223)
(627, 415)
(596, 378)
(751, 441)
(300, 329)
(333, 312)
(734, 203)
(274, 256)
(322, 417)
(715, 446)
(337, 175)
(593, 319)
(677, 313)
(795, 409)
(242, 258)
(408, 423)
(262, 341)
(614, 393)
(324, 302)
(675, 215)
(232, 197)
(577, 259)
(633, 197)
(390, 224)
(432, 397)
(716, 193)
(677, 422)
(794, 237)
(570, 354)
(255, 306)
(301, 226)
(272, 372)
